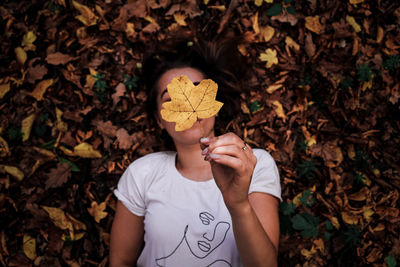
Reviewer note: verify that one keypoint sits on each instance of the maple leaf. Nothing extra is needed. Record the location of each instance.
(190, 102)
(270, 57)
(97, 211)
(58, 176)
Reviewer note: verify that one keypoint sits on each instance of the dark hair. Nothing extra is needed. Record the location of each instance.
(217, 60)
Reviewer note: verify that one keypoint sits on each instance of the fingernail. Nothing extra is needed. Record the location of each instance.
(204, 139)
(214, 156)
(204, 151)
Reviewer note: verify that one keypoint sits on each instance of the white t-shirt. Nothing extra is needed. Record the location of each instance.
(186, 222)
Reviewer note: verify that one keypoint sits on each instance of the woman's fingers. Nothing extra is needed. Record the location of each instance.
(231, 150)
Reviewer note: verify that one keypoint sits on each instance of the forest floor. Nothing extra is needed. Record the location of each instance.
(327, 109)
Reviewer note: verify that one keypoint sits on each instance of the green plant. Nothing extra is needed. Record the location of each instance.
(278, 8)
(303, 145)
(306, 223)
(359, 180)
(392, 63)
(307, 199)
(254, 106)
(14, 133)
(391, 261)
(328, 227)
(131, 83)
(364, 72)
(100, 86)
(351, 237)
(287, 208)
(306, 168)
(49, 145)
(346, 83)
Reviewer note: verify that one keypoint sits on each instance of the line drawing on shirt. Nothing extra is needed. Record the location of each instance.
(198, 251)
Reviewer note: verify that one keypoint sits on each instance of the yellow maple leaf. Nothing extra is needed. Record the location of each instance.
(97, 211)
(27, 41)
(190, 102)
(29, 246)
(270, 57)
(180, 19)
(313, 24)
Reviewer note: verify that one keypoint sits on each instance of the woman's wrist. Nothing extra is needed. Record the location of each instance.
(240, 209)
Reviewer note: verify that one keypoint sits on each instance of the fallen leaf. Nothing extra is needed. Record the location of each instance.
(349, 217)
(125, 141)
(119, 91)
(65, 221)
(270, 57)
(267, 33)
(180, 17)
(27, 41)
(36, 73)
(4, 89)
(87, 17)
(85, 150)
(355, 2)
(41, 88)
(58, 176)
(353, 23)
(97, 211)
(309, 45)
(60, 125)
(106, 128)
(189, 102)
(4, 150)
(29, 246)
(14, 171)
(27, 126)
(20, 55)
(279, 110)
(58, 58)
(313, 24)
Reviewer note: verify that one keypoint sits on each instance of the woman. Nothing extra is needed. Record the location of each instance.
(213, 202)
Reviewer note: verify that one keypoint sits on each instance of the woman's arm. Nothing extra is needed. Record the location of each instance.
(256, 230)
(255, 217)
(126, 237)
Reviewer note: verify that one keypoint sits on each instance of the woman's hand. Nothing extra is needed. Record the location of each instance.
(232, 163)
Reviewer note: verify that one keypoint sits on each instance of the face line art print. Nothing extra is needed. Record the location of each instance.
(220, 231)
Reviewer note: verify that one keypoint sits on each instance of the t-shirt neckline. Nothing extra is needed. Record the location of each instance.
(206, 183)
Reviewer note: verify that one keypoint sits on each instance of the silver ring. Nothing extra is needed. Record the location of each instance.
(244, 146)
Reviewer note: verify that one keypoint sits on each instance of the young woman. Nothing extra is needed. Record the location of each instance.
(211, 202)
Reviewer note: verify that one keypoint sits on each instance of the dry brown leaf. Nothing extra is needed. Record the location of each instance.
(58, 58)
(58, 176)
(106, 128)
(119, 91)
(125, 141)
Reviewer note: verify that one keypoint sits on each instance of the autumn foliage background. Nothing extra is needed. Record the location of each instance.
(327, 109)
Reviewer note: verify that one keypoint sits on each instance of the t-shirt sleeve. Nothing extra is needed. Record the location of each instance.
(265, 176)
(130, 191)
